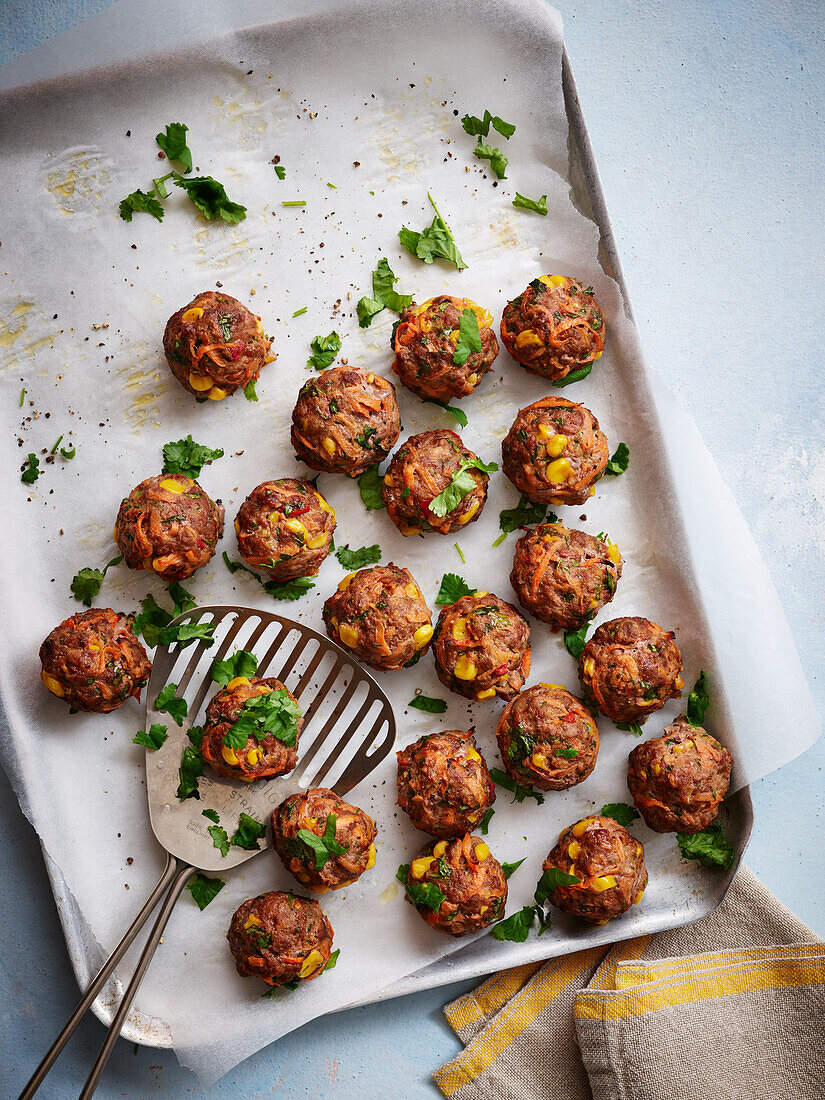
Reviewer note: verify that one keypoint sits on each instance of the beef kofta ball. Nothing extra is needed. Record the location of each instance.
(610, 867)
(444, 784)
(215, 346)
(168, 525)
(280, 937)
(473, 885)
(555, 452)
(554, 327)
(481, 647)
(421, 469)
(547, 738)
(93, 661)
(678, 780)
(345, 421)
(630, 668)
(429, 357)
(264, 754)
(348, 834)
(563, 576)
(381, 616)
(285, 529)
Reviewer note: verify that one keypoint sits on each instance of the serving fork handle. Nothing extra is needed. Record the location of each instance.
(37, 1078)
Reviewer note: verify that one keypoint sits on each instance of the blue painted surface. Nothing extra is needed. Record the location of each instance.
(702, 117)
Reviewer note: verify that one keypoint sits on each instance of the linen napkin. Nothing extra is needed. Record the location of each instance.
(662, 1017)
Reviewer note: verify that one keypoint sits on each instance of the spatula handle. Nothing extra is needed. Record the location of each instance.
(183, 874)
(100, 980)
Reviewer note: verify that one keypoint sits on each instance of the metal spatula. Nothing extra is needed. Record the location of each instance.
(348, 729)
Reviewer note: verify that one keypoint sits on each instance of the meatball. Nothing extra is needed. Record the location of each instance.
(481, 647)
(630, 668)
(610, 867)
(468, 876)
(678, 780)
(425, 344)
(345, 421)
(168, 525)
(285, 529)
(420, 470)
(281, 938)
(323, 813)
(215, 346)
(444, 784)
(381, 615)
(264, 754)
(555, 452)
(93, 661)
(554, 327)
(547, 738)
(563, 576)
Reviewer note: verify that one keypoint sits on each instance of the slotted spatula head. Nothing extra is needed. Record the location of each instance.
(349, 727)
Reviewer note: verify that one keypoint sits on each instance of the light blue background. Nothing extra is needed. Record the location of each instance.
(706, 120)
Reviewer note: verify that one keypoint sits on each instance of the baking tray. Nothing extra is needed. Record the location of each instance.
(475, 959)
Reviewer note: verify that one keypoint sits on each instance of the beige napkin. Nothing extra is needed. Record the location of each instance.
(699, 1011)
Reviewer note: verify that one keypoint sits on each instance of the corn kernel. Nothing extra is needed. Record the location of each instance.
(324, 505)
(370, 377)
(613, 552)
(488, 693)
(460, 629)
(370, 858)
(93, 647)
(389, 480)
(579, 828)
(337, 886)
(638, 897)
(528, 339)
(472, 754)
(589, 666)
(481, 851)
(348, 635)
(159, 564)
(472, 378)
(316, 543)
(253, 757)
(269, 359)
(554, 280)
(216, 394)
(678, 683)
(465, 668)
(193, 314)
(407, 529)
(555, 687)
(239, 681)
(311, 963)
(229, 755)
(559, 471)
(237, 528)
(412, 591)
(53, 685)
(689, 744)
(418, 867)
(592, 492)
(252, 922)
(657, 767)
(295, 527)
(319, 889)
(602, 883)
(200, 382)
(347, 581)
(481, 592)
(544, 432)
(328, 445)
(678, 749)
(556, 445)
(176, 486)
(471, 511)
(483, 910)
(538, 760)
(573, 849)
(453, 337)
(440, 849)
(422, 636)
(638, 849)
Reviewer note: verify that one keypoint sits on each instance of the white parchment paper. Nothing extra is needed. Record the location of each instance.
(82, 314)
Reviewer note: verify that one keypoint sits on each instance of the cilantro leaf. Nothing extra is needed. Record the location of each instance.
(220, 839)
(484, 824)
(461, 484)
(567, 754)
(550, 880)
(211, 199)
(212, 815)
(457, 414)
(204, 889)
(333, 959)
(519, 793)
(434, 243)
(274, 714)
(187, 457)
(152, 738)
(153, 622)
(711, 847)
(369, 486)
(698, 700)
(280, 171)
(173, 143)
(630, 727)
(576, 640)
(366, 309)
(141, 202)
(181, 599)
(191, 766)
(452, 588)
(357, 559)
(403, 872)
(426, 894)
(68, 452)
(516, 927)
(242, 663)
(480, 127)
(619, 811)
(168, 703)
(425, 703)
(324, 350)
(524, 513)
(497, 159)
(248, 833)
(469, 338)
(574, 376)
(383, 281)
(86, 583)
(249, 391)
(314, 850)
(538, 206)
(31, 470)
(618, 460)
(508, 868)
(278, 590)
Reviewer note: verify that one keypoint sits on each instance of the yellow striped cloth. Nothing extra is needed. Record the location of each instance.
(673, 1016)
